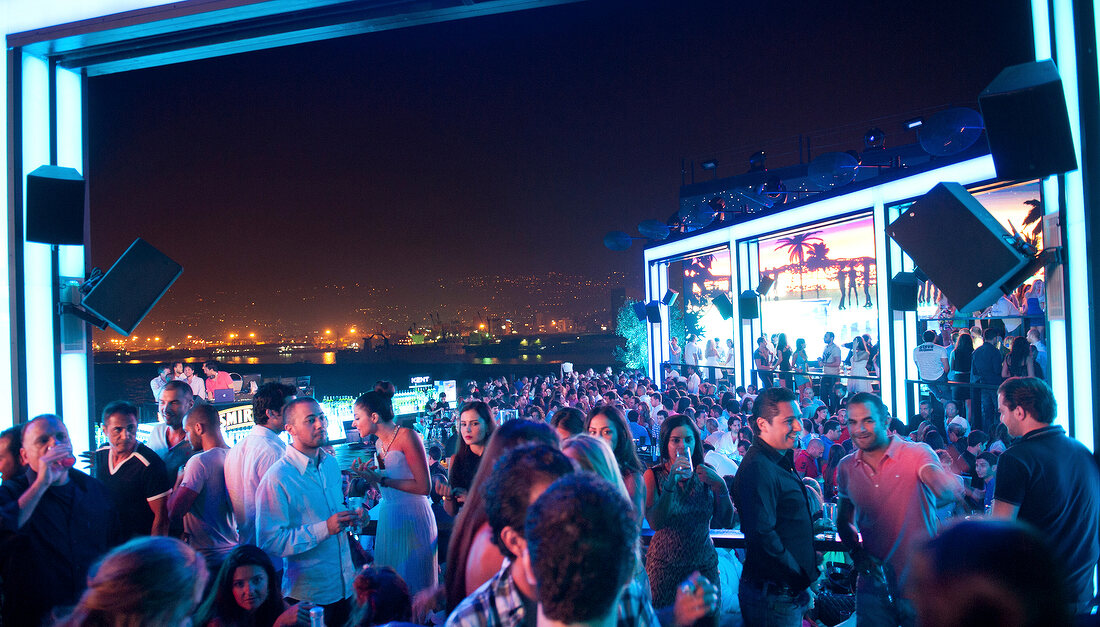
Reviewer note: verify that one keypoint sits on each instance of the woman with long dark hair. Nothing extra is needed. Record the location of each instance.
(686, 498)
(1019, 362)
(799, 365)
(607, 422)
(245, 593)
(406, 525)
(475, 426)
(960, 370)
(783, 351)
(860, 358)
(472, 558)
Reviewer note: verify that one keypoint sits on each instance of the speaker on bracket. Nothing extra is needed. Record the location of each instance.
(993, 254)
(724, 306)
(639, 310)
(670, 297)
(749, 304)
(766, 282)
(55, 206)
(904, 288)
(653, 311)
(1027, 123)
(128, 291)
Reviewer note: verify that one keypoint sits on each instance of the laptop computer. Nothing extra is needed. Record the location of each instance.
(223, 396)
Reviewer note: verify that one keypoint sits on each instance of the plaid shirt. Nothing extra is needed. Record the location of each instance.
(498, 603)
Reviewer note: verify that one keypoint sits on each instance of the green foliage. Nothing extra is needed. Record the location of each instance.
(636, 352)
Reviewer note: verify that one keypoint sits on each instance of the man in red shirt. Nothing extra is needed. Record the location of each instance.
(805, 462)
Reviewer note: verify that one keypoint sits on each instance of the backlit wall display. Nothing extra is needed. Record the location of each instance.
(825, 280)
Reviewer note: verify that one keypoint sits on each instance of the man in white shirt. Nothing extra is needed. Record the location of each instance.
(168, 438)
(200, 500)
(198, 384)
(300, 515)
(164, 375)
(249, 459)
(691, 352)
(931, 360)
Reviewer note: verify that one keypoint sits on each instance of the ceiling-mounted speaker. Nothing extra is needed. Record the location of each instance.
(639, 311)
(1027, 122)
(724, 306)
(55, 206)
(992, 255)
(749, 305)
(670, 297)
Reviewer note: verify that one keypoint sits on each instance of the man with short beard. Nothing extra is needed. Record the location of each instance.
(168, 439)
(888, 491)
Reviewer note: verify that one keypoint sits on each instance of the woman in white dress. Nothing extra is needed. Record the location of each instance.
(407, 535)
(860, 355)
(710, 354)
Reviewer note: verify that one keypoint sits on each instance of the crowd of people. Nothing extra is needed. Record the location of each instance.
(539, 519)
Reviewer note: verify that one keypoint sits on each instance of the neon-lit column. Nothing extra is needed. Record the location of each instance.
(38, 283)
(886, 368)
(74, 356)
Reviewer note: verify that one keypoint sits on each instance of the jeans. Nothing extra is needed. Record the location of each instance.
(768, 606)
(984, 408)
(873, 609)
(826, 394)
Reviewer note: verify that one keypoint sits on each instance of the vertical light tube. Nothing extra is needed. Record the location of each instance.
(886, 369)
(1076, 229)
(74, 363)
(38, 283)
(7, 357)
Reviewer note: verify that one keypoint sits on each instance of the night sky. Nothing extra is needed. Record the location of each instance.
(405, 161)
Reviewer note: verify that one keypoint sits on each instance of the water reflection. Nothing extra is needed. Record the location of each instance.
(328, 357)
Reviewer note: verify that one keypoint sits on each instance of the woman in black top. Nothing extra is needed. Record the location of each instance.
(475, 425)
(1019, 362)
(783, 349)
(960, 369)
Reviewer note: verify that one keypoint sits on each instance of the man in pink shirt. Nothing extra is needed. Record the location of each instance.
(888, 491)
(216, 379)
(805, 461)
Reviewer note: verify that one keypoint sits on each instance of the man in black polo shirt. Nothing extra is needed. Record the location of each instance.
(133, 474)
(1050, 481)
(780, 563)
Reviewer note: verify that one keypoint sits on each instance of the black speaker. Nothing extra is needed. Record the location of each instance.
(639, 310)
(653, 311)
(55, 206)
(765, 284)
(949, 214)
(670, 297)
(724, 306)
(128, 291)
(749, 305)
(904, 288)
(1026, 122)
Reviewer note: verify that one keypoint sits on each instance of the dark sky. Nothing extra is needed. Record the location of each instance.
(502, 144)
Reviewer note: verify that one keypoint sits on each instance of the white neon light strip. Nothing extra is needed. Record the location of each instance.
(70, 136)
(6, 355)
(1076, 239)
(37, 283)
(1040, 24)
(886, 369)
(74, 365)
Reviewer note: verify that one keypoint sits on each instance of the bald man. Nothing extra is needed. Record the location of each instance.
(55, 521)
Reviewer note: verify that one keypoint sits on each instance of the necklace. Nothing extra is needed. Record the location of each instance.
(390, 443)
